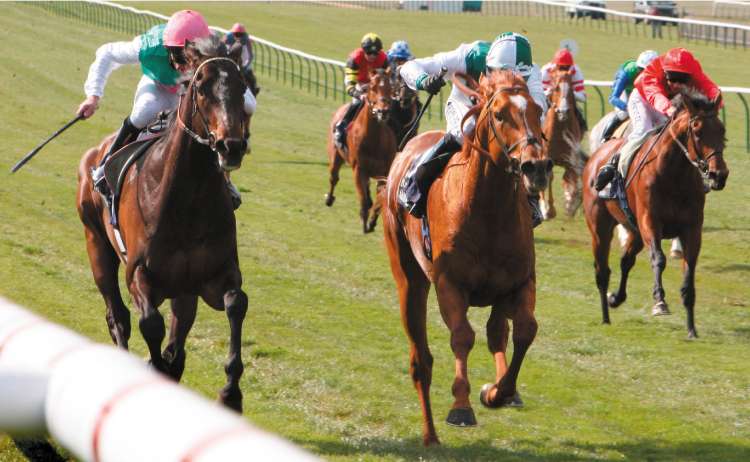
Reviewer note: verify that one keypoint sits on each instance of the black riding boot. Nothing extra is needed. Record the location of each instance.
(609, 130)
(581, 119)
(339, 132)
(412, 192)
(127, 131)
(607, 172)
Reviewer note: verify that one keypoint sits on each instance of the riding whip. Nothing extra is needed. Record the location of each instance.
(419, 116)
(33, 152)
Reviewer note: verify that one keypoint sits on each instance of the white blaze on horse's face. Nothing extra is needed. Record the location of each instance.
(520, 102)
(563, 106)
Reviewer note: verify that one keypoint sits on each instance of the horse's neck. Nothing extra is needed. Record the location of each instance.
(487, 189)
(673, 165)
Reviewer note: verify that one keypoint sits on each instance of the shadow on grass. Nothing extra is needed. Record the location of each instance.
(38, 450)
(732, 268)
(534, 450)
(293, 162)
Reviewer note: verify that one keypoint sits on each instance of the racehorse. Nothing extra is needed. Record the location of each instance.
(482, 244)
(371, 147)
(666, 193)
(564, 133)
(405, 107)
(176, 220)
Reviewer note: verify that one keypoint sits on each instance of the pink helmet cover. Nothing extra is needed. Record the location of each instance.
(185, 25)
(238, 28)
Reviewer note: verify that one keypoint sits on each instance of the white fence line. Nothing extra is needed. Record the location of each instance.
(103, 404)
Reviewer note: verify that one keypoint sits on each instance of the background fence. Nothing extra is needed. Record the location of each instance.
(325, 77)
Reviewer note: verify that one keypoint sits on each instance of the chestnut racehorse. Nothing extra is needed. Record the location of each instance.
(564, 133)
(665, 191)
(482, 244)
(176, 220)
(371, 147)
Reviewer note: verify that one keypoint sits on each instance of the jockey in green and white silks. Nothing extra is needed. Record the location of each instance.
(160, 53)
(510, 51)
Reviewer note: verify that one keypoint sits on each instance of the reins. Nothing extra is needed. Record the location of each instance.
(210, 140)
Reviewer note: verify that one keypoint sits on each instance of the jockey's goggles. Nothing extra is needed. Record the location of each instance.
(563, 67)
(177, 55)
(677, 77)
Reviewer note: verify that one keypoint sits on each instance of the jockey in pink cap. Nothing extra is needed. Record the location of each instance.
(161, 55)
(237, 36)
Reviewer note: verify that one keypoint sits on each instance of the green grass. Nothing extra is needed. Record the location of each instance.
(326, 356)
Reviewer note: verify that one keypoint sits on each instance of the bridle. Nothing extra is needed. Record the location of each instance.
(210, 139)
(528, 140)
(371, 104)
(701, 163)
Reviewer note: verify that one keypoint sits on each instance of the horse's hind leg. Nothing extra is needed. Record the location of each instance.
(362, 183)
(633, 244)
(334, 165)
(151, 323)
(504, 392)
(691, 246)
(183, 315)
(104, 266)
(376, 206)
(413, 287)
(454, 307)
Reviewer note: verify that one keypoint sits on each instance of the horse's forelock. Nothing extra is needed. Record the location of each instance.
(211, 46)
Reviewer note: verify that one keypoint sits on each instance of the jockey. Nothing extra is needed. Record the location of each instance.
(563, 61)
(367, 57)
(623, 83)
(238, 34)
(399, 53)
(650, 106)
(160, 53)
(508, 51)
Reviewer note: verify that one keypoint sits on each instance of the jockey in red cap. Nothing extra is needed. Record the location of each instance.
(563, 60)
(161, 55)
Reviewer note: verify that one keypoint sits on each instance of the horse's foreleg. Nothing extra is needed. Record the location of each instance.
(235, 304)
(547, 202)
(151, 323)
(413, 287)
(572, 189)
(658, 263)
(691, 246)
(104, 266)
(377, 205)
(601, 238)
(524, 332)
(334, 165)
(497, 342)
(183, 315)
(362, 183)
(633, 244)
(454, 307)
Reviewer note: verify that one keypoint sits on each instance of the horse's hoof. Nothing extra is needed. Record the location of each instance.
(692, 334)
(508, 401)
(371, 227)
(330, 199)
(231, 399)
(660, 309)
(613, 301)
(430, 440)
(462, 417)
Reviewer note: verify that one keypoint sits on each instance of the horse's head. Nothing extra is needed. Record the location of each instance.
(705, 136)
(213, 107)
(402, 94)
(561, 98)
(379, 94)
(514, 128)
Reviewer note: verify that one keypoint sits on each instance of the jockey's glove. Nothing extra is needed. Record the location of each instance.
(354, 92)
(430, 83)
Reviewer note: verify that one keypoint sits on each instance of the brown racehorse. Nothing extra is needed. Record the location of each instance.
(564, 133)
(176, 221)
(665, 190)
(482, 244)
(372, 147)
(405, 107)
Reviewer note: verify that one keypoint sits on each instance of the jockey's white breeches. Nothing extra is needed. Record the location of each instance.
(455, 110)
(643, 117)
(149, 100)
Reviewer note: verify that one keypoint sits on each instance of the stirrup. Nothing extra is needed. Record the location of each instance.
(606, 193)
(100, 182)
(605, 176)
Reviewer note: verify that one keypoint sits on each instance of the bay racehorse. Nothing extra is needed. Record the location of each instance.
(371, 147)
(405, 106)
(564, 133)
(482, 244)
(176, 220)
(666, 191)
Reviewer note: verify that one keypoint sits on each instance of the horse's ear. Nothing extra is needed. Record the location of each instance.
(193, 56)
(235, 53)
(689, 105)
(716, 102)
(485, 86)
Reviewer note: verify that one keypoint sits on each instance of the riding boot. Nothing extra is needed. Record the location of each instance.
(127, 131)
(609, 130)
(536, 211)
(581, 119)
(412, 192)
(339, 131)
(607, 172)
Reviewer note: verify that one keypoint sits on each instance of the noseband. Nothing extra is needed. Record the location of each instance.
(210, 139)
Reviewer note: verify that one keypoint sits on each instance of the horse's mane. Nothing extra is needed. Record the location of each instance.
(696, 99)
(211, 46)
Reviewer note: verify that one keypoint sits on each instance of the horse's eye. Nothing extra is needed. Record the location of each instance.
(499, 116)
